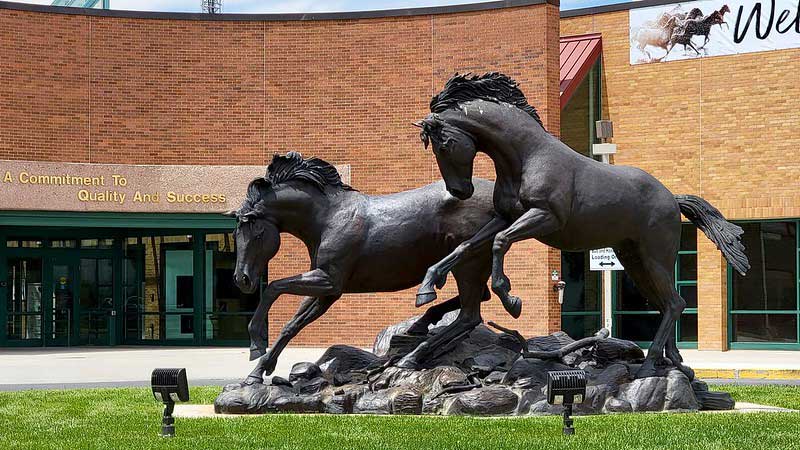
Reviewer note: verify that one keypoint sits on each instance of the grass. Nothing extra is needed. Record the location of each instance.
(130, 418)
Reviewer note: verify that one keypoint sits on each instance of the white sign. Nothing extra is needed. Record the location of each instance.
(712, 28)
(604, 259)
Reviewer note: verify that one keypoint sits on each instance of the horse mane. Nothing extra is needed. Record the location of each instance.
(317, 172)
(493, 86)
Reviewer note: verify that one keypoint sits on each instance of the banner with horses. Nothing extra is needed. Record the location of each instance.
(712, 28)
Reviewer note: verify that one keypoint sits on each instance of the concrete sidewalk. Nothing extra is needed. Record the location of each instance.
(744, 364)
(131, 366)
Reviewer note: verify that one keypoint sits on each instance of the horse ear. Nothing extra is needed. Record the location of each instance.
(423, 134)
(232, 213)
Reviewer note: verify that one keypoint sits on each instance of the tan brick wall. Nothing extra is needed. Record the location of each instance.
(124, 90)
(724, 128)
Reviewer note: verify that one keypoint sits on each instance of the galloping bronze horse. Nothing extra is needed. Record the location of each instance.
(547, 191)
(357, 243)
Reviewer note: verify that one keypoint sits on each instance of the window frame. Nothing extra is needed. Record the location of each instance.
(733, 345)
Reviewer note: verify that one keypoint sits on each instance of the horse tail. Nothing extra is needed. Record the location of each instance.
(725, 235)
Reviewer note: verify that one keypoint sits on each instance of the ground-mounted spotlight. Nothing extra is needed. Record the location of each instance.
(169, 386)
(566, 387)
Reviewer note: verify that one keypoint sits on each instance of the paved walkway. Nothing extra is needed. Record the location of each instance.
(131, 366)
(744, 364)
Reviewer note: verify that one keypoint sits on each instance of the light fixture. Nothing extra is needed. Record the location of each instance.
(566, 387)
(169, 386)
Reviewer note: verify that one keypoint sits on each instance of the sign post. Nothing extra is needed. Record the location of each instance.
(606, 259)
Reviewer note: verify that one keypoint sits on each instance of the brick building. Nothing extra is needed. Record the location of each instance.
(185, 109)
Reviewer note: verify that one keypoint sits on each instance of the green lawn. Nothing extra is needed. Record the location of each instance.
(130, 418)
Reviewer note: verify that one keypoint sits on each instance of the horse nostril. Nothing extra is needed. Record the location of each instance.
(245, 280)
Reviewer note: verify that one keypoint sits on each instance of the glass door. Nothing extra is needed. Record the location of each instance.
(96, 307)
(60, 313)
(24, 300)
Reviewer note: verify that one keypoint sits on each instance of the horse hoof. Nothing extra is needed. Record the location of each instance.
(687, 371)
(407, 363)
(513, 306)
(647, 370)
(257, 352)
(425, 297)
(251, 380)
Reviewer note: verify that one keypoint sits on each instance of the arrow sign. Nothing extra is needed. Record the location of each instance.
(604, 259)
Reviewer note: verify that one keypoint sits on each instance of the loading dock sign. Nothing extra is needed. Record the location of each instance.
(604, 259)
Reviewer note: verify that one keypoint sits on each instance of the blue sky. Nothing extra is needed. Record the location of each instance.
(285, 6)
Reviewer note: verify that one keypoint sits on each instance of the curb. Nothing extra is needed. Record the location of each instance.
(752, 374)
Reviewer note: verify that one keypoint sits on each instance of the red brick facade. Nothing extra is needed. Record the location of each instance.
(99, 89)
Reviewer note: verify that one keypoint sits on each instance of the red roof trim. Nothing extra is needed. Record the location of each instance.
(577, 55)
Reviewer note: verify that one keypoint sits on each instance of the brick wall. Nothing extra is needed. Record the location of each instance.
(724, 128)
(124, 90)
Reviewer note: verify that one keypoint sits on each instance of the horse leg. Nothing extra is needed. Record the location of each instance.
(534, 223)
(471, 278)
(314, 283)
(655, 281)
(437, 273)
(435, 313)
(675, 356)
(311, 308)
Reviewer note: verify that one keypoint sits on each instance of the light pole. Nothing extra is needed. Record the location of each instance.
(604, 131)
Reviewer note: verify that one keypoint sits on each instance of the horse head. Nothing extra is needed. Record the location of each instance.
(256, 236)
(694, 14)
(288, 195)
(455, 153)
(470, 106)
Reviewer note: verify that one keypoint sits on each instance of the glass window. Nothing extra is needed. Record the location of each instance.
(780, 328)
(228, 309)
(637, 327)
(24, 299)
(583, 289)
(163, 261)
(764, 303)
(771, 282)
(687, 328)
(689, 293)
(97, 243)
(631, 324)
(580, 326)
(22, 243)
(97, 280)
(64, 243)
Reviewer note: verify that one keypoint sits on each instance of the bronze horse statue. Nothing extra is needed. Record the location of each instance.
(546, 191)
(357, 243)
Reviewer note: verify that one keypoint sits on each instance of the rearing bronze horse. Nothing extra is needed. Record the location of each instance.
(549, 192)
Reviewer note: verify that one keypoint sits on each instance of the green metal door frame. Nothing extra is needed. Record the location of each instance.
(47, 225)
(731, 312)
(28, 220)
